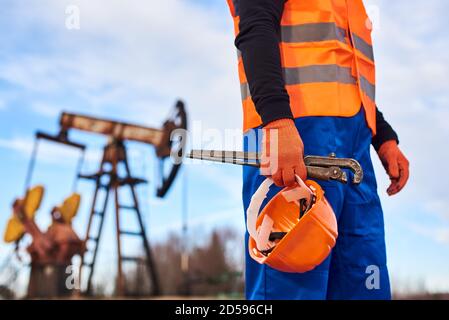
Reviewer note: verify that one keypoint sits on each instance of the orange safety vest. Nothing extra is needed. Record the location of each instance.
(327, 60)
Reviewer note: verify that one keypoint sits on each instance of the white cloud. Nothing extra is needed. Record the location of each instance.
(437, 234)
(49, 153)
(17, 144)
(46, 110)
(133, 60)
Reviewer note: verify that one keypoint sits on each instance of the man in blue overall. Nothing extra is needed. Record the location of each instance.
(307, 72)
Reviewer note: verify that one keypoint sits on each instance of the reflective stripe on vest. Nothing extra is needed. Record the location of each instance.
(327, 60)
(312, 32)
(311, 74)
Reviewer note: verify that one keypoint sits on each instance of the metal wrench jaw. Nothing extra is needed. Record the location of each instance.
(341, 163)
(339, 175)
(357, 170)
(327, 174)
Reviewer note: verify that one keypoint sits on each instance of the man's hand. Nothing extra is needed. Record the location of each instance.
(282, 153)
(396, 165)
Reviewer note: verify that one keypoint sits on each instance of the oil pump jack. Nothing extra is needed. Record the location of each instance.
(113, 175)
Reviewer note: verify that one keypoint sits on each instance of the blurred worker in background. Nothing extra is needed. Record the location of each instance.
(307, 73)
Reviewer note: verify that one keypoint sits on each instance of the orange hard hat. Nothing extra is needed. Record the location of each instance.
(296, 230)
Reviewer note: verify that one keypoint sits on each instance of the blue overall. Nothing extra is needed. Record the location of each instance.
(357, 267)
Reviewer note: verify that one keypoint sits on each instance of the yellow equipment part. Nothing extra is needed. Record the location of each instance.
(33, 201)
(15, 229)
(70, 207)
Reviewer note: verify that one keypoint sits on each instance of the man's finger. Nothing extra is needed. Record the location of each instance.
(398, 184)
(393, 168)
(288, 175)
(404, 175)
(277, 178)
(392, 189)
(301, 171)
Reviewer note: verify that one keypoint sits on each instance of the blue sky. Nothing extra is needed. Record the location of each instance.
(133, 61)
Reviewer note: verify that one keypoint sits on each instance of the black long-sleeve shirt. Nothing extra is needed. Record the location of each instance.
(258, 42)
